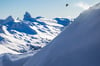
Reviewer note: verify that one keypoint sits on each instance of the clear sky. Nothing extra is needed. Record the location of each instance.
(46, 8)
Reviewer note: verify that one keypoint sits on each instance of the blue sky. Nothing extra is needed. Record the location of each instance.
(46, 8)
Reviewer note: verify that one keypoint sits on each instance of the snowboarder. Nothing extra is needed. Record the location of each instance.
(67, 4)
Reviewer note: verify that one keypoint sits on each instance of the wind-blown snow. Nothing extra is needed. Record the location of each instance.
(77, 45)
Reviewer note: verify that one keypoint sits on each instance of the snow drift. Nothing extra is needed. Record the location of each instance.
(77, 45)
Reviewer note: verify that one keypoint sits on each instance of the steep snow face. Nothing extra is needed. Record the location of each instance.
(78, 45)
(28, 34)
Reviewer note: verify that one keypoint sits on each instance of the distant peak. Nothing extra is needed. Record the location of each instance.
(27, 14)
(28, 17)
(10, 19)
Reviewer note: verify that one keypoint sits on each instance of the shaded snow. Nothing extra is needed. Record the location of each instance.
(15, 59)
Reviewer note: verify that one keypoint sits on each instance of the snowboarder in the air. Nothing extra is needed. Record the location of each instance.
(67, 4)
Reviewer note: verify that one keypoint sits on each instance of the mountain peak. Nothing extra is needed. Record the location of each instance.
(27, 17)
(10, 19)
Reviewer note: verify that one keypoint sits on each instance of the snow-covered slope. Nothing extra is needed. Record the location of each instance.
(8, 59)
(78, 45)
(19, 36)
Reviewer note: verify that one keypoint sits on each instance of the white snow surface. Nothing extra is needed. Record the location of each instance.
(77, 45)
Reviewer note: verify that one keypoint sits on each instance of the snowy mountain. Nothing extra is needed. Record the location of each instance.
(19, 36)
(77, 45)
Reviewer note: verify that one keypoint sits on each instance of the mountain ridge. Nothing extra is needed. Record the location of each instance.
(29, 34)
